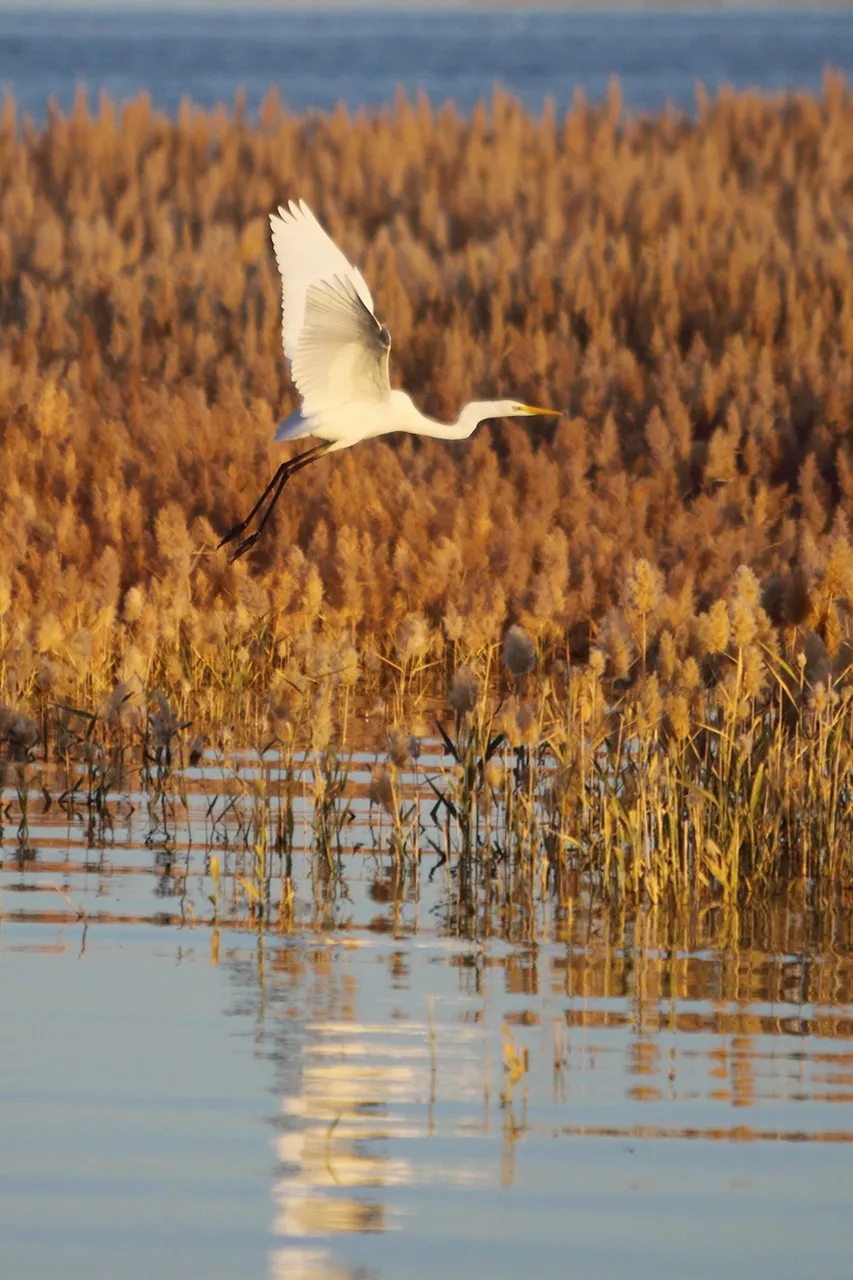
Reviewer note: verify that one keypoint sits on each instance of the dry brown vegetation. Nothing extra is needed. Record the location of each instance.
(678, 547)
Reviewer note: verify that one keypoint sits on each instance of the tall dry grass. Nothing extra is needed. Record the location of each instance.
(685, 288)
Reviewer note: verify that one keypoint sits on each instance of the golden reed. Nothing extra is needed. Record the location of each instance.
(675, 553)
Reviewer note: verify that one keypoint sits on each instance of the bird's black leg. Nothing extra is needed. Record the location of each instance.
(279, 480)
(237, 529)
(281, 476)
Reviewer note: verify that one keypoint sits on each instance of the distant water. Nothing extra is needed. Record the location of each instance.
(361, 57)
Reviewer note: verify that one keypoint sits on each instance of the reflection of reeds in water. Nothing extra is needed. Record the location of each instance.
(295, 1263)
(359, 1088)
(645, 1028)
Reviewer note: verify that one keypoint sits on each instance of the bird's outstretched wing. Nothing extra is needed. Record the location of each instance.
(343, 351)
(338, 350)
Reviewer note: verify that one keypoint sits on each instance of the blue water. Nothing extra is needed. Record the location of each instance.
(335, 1107)
(369, 1095)
(317, 59)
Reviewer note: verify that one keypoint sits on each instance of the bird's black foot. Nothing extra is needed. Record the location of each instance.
(245, 546)
(233, 532)
(275, 486)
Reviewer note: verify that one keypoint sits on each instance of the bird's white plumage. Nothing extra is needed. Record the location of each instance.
(342, 352)
(338, 350)
(307, 256)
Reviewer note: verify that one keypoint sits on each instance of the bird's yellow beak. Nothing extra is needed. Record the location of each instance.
(533, 409)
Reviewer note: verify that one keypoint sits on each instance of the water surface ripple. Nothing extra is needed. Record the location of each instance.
(388, 1084)
(360, 57)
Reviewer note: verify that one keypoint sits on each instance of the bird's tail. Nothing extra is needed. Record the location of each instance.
(296, 426)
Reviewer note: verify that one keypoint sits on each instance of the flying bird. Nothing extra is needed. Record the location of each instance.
(339, 355)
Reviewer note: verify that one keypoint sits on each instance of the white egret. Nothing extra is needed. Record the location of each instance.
(339, 353)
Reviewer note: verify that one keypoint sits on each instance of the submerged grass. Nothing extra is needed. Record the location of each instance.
(629, 638)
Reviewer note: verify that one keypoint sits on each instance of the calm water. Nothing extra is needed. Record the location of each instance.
(360, 58)
(392, 1088)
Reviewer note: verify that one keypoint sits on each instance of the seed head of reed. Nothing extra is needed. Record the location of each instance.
(280, 713)
(528, 725)
(747, 586)
(400, 748)
(348, 666)
(822, 700)
(832, 629)
(47, 675)
(588, 697)
(838, 571)
(494, 773)
(519, 652)
(650, 705)
(713, 628)
(617, 645)
(464, 691)
(381, 789)
(642, 592)
(453, 624)
(242, 620)
(22, 734)
(321, 719)
(81, 649)
(118, 704)
(678, 716)
(134, 604)
(289, 684)
(163, 723)
(597, 663)
(507, 720)
(133, 668)
(689, 676)
(754, 673)
(412, 640)
(744, 623)
(50, 635)
(667, 658)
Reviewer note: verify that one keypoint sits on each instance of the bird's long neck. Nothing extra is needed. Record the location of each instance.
(471, 415)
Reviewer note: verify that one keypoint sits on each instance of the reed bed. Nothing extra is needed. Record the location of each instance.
(629, 636)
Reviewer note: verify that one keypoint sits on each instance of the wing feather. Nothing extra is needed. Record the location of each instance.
(336, 347)
(343, 351)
